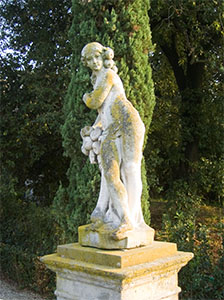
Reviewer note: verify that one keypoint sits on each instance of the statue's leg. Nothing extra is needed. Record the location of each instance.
(117, 191)
(101, 208)
(131, 171)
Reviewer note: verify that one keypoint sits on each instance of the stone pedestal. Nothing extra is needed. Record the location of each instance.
(146, 273)
(103, 238)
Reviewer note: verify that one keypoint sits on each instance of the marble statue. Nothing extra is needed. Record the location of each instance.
(144, 269)
(115, 142)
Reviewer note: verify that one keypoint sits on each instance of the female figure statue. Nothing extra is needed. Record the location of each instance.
(119, 146)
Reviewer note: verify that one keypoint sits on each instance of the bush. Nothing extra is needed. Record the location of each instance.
(27, 232)
(202, 278)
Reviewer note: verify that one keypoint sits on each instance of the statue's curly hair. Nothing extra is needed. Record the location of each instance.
(106, 52)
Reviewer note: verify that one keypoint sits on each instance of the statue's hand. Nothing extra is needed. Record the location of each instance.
(84, 98)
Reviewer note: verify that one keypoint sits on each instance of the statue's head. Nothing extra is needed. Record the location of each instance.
(95, 56)
(92, 56)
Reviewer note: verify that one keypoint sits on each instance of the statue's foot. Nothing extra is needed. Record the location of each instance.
(121, 232)
(96, 216)
(109, 227)
(96, 225)
(96, 219)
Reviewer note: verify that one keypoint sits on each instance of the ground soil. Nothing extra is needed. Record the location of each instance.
(9, 290)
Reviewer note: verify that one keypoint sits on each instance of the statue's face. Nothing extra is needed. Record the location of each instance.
(94, 60)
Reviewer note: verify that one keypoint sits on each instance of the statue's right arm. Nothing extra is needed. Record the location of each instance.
(95, 99)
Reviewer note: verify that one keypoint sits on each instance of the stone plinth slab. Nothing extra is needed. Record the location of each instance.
(146, 273)
(103, 239)
(119, 258)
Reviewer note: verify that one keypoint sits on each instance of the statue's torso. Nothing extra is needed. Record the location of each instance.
(117, 113)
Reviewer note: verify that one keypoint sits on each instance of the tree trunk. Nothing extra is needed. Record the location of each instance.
(189, 82)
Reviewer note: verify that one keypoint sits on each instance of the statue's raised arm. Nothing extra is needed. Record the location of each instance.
(115, 141)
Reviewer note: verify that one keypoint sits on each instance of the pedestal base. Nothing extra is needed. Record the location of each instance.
(146, 273)
(103, 239)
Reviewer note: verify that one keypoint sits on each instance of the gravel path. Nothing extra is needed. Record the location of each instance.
(9, 291)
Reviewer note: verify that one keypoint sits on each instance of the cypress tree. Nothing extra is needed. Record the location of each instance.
(124, 26)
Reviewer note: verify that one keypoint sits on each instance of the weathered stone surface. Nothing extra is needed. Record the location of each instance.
(115, 142)
(119, 258)
(104, 238)
(146, 273)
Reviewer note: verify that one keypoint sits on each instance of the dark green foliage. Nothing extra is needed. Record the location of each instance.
(187, 132)
(27, 232)
(33, 76)
(202, 278)
(30, 140)
(33, 84)
(26, 270)
(121, 26)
